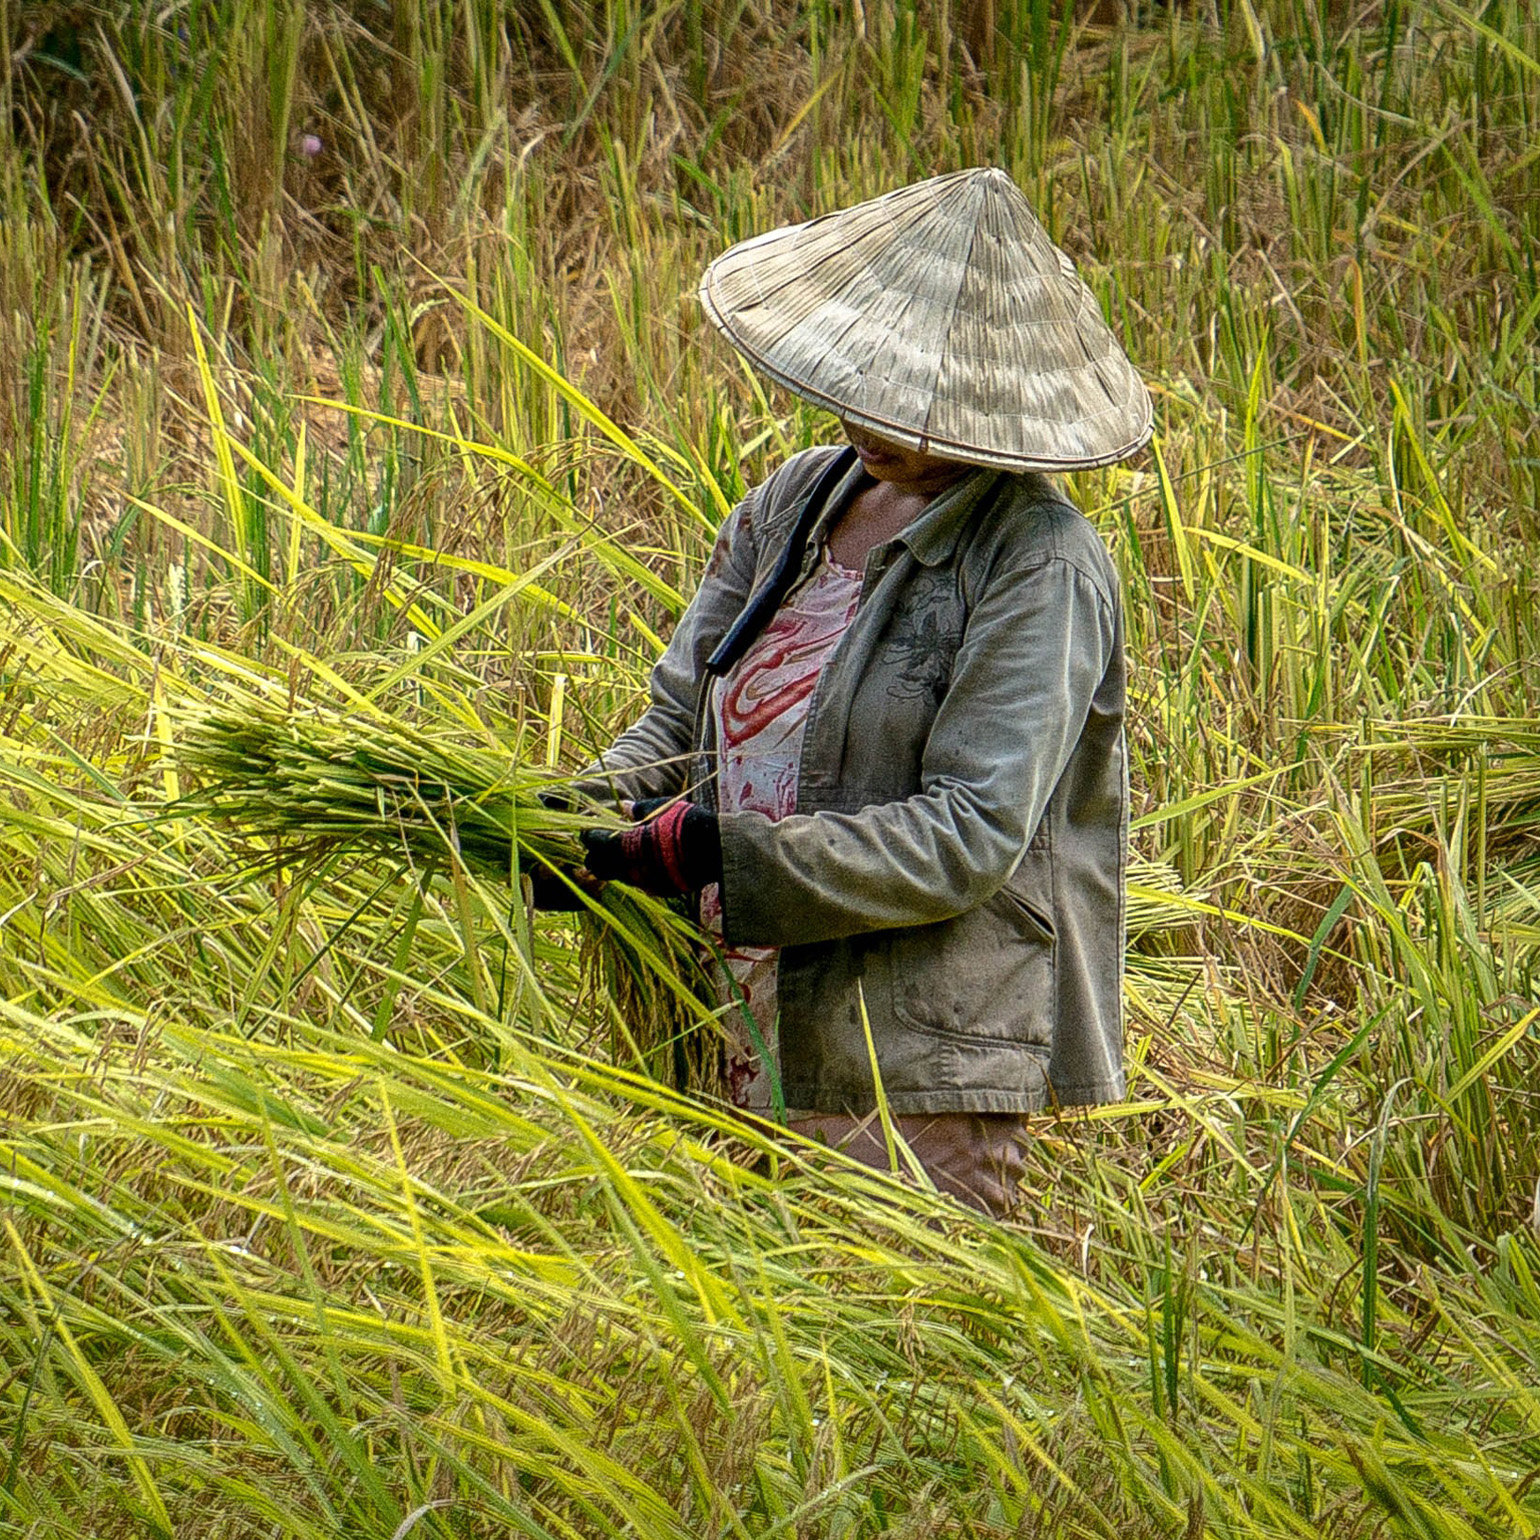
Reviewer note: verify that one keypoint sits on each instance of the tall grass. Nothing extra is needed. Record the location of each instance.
(338, 348)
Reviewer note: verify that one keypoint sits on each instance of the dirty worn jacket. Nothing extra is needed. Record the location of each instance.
(952, 878)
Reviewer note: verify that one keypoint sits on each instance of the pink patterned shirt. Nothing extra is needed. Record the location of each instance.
(761, 710)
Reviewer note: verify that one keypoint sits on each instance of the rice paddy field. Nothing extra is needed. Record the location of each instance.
(354, 401)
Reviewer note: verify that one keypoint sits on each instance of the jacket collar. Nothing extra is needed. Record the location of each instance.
(933, 536)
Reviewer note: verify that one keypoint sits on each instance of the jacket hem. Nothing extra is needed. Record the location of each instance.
(1090, 1093)
(905, 1103)
(949, 1099)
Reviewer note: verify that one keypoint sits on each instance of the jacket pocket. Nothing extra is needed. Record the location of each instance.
(986, 974)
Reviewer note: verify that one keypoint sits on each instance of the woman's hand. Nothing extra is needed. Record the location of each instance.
(673, 849)
(559, 890)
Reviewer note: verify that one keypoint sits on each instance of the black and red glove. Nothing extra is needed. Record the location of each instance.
(555, 890)
(674, 848)
(554, 887)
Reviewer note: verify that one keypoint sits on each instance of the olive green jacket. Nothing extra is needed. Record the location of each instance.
(955, 863)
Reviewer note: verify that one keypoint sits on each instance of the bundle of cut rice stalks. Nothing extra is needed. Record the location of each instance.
(307, 785)
(316, 783)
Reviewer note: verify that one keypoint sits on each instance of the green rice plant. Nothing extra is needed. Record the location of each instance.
(368, 1242)
(56, 388)
(320, 789)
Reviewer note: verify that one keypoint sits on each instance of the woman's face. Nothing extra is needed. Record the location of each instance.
(915, 469)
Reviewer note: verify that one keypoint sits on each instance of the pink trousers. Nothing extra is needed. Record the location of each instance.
(974, 1156)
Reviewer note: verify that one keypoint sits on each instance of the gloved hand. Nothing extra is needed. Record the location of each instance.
(551, 889)
(674, 848)
(548, 892)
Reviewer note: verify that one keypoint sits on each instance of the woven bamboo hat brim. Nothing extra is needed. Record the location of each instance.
(941, 317)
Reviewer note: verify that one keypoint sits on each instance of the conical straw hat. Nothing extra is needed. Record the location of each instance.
(939, 316)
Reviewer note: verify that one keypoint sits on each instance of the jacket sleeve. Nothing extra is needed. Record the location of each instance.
(1038, 644)
(651, 757)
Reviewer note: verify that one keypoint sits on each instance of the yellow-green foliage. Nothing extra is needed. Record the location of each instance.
(350, 370)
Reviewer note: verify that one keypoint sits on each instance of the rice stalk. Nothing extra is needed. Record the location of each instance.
(317, 783)
(305, 787)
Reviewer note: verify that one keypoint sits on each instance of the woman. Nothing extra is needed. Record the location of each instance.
(889, 728)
